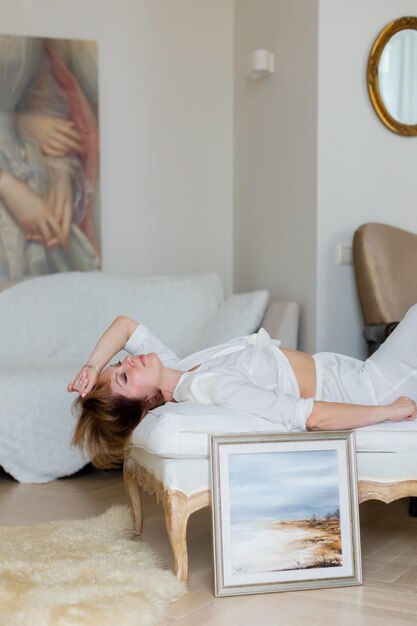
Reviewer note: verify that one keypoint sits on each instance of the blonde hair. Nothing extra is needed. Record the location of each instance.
(105, 423)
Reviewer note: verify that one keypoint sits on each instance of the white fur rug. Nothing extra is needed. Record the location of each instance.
(82, 573)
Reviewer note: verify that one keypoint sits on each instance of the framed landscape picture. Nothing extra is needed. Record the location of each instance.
(285, 512)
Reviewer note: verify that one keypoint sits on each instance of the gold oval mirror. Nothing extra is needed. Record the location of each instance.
(392, 76)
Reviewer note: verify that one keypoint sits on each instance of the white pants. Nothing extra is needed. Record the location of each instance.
(392, 369)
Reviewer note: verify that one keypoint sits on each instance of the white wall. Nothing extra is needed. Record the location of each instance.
(166, 98)
(365, 172)
(312, 160)
(275, 155)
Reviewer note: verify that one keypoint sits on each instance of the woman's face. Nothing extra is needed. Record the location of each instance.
(136, 377)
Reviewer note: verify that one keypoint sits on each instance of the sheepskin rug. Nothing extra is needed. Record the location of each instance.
(82, 573)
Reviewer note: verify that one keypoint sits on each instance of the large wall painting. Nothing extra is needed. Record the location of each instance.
(49, 157)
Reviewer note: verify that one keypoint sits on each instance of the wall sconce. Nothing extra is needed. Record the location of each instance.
(262, 64)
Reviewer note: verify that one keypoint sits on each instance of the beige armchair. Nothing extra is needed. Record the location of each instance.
(385, 259)
(386, 271)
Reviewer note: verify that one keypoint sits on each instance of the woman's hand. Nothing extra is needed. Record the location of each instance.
(110, 343)
(56, 136)
(60, 198)
(402, 408)
(30, 211)
(84, 380)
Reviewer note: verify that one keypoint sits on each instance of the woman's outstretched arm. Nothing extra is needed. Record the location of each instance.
(110, 343)
(339, 416)
(224, 388)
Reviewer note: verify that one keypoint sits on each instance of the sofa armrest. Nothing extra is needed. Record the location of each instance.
(281, 321)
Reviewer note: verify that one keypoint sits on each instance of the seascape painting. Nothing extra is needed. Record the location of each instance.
(49, 157)
(285, 512)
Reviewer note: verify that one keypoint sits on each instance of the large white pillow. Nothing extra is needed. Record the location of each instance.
(241, 314)
(62, 315)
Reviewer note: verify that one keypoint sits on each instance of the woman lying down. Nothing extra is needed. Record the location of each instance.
(252, 374)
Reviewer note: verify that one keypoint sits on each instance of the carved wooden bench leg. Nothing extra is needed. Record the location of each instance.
(176, 519)
(133, 490)
(177, 507)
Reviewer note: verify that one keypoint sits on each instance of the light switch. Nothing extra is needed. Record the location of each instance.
(344, 254)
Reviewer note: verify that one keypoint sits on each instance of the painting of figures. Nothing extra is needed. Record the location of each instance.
(49, 157)
(285, 512)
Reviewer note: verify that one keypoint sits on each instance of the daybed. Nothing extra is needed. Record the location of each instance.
(49, 325)
(169, 457)
(175, 467)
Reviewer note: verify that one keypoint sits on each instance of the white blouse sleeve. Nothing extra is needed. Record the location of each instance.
(143, 341)
(233, 391)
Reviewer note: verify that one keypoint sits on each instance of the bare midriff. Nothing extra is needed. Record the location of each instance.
(304, 368)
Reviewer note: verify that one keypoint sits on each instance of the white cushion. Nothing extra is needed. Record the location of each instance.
(180, 430)
(386, 467)
(388, 437)
(240, 315)
(64, 314)
(193, 475)
(186, 475)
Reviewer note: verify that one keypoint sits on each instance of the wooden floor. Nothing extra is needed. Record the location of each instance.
(389, 552)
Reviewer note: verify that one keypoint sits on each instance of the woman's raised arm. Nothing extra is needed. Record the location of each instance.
(110, 343)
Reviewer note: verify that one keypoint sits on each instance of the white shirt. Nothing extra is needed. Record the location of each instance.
(250, 374)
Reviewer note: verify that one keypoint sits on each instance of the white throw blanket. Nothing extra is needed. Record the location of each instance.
(36, 420)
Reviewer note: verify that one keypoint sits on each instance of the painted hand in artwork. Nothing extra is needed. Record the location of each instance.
(55, 136)
(30, 211)
(60, 199)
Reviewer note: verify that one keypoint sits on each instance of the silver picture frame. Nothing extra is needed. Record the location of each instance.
(285, 512)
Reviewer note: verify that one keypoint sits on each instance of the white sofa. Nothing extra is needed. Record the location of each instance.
(49, 325)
